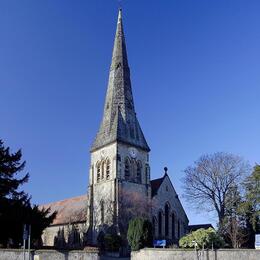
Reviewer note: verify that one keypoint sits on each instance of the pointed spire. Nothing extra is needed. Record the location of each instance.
(119, 15)
(119, 121)
(119, 51)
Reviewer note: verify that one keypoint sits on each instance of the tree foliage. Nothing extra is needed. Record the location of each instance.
(242, 218)
(202, 237)
(15, 207)
(132, 205)
(210, 180)
(252, 198)
(139, 233)
(234, 226)
(112, 242)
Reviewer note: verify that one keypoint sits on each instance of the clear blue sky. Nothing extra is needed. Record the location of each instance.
(195, 69)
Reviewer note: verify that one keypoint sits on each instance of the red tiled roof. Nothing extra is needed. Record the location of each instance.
(70, 210)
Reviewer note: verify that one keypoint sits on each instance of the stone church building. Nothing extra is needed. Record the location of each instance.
(119, 166)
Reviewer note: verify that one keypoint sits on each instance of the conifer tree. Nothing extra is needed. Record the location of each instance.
(15, 207)
(251, 205)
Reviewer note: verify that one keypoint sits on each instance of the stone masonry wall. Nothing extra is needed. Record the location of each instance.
(17, 254)
(49, 234)
(178, 254)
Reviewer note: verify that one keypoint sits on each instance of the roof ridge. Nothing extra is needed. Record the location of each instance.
(58, 201)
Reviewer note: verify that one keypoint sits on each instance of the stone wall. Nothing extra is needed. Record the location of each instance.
(17, 254)
(12, 254)
(64, 255)
(178, 254)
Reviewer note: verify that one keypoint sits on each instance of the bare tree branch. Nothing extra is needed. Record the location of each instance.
(210, 179)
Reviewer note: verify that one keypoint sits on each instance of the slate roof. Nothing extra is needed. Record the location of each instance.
(198, 226)
(119, 122)
(72, 210)
(155, 185)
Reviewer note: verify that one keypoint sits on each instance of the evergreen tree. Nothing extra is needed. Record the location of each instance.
(235, 229)
(139, 234)
(15, 207)
(251, 205)
(242, 219)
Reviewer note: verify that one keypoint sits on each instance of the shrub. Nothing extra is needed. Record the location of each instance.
(101, 240)
(112, 242)
(139, 233)
(202, 236)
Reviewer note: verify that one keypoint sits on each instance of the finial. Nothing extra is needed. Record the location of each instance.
(165, 170)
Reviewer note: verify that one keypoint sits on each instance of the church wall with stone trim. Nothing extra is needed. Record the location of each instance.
(166, 194)
(105, 189)
(51, 237)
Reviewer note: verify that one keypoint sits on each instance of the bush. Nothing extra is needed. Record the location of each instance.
(139, 234)
(101, 240)
(202, 236)
(112, 242)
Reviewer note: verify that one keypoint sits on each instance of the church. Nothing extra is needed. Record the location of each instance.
(119, 176)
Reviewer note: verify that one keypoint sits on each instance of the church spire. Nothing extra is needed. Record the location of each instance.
(119, 121)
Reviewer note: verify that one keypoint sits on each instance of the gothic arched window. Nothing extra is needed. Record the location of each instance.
(179, 229)
(98, 172)
(127, 169)
(147, 174)
(166, 212)
(103, 170)
(102, 213)
(160, 223)
(139, 172)
(173, 226)
(108, 169)
(154, 225)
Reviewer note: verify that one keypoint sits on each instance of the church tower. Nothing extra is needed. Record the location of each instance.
(119, 153)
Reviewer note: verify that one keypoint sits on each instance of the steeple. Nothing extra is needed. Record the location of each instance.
(119, 121)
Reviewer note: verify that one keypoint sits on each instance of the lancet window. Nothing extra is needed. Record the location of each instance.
(102, 211)
(166, 211)
(108, 169)
(127, 169)
(160, 223)
(139, 172)
(98, 172)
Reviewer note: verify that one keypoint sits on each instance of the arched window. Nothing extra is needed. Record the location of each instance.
(179, 229)
(108, 169)
(160, 223)
(127, 169)
(103, 170)
(98, 172)
(166, 211)
(147, 174)
(173, 226)
(154, 225)
(139, 172)
(102, 211)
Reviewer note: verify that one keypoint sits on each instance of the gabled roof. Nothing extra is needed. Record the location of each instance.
(198, 226)
(119, 122)
(72, 210)
(155, 185)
